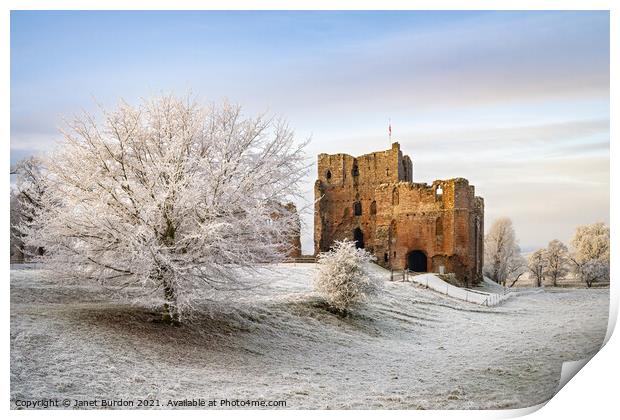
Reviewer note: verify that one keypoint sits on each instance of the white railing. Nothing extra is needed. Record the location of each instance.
(433, 282)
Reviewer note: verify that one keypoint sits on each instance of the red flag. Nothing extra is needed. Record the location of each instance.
(390, 129)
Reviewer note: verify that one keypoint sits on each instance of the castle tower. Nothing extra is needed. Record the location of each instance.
(373, 200)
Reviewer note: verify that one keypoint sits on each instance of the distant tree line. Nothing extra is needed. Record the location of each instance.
(26, 200)
(587, 259)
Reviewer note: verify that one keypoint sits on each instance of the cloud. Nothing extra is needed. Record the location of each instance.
(488, 60)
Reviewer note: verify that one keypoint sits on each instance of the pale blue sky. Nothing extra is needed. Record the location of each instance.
(517, 102)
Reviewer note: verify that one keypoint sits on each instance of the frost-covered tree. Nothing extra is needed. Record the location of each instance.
(502, 255)
(17, 243)
(171, 197)
(517, 267)
(537, 264)
(26, 202)
(343, 278)
(590, 256)
(30, 176)
(591, 242)
(557, 261)
(593, 271)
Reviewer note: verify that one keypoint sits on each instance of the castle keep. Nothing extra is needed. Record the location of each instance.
(373, 200)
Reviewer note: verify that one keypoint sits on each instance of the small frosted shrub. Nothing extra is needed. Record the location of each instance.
(343, 278)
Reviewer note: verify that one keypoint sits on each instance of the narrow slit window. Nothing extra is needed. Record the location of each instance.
(357, 208)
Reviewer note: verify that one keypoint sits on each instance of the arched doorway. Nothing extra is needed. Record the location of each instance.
(416, 261)
(358, 237)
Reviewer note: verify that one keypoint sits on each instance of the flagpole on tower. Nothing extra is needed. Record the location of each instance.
(390, 130)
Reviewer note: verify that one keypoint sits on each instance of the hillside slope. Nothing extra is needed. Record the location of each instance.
(411, 348)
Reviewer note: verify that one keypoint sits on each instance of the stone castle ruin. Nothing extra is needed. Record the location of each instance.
(373, 200)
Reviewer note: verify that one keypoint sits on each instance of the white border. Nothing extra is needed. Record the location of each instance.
(311, 5)
(592, 395)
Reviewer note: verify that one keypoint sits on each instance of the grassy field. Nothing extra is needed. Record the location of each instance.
(411, 348)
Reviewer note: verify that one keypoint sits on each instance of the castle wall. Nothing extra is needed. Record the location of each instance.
(374, 194)
(295, 240)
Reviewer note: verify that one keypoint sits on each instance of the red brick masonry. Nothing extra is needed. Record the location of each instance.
(372, 199)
